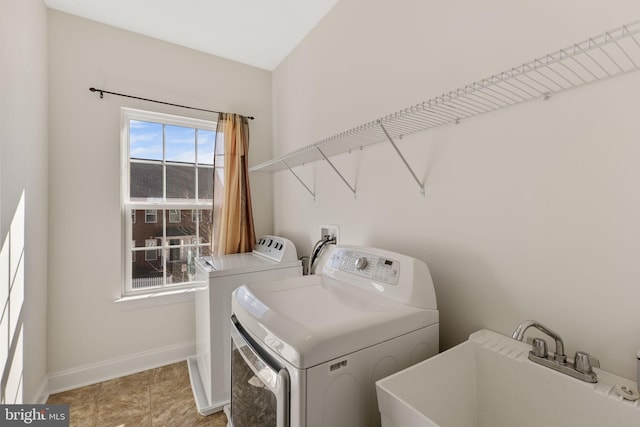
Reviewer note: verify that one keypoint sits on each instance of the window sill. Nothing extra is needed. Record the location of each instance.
(160, 298)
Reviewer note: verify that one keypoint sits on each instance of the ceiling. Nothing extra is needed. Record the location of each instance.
(260, 33)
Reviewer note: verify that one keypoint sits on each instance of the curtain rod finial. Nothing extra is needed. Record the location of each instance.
(93, 89)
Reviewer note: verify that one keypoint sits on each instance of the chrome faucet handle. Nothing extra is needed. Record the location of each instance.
(539, 347)
(585, 363)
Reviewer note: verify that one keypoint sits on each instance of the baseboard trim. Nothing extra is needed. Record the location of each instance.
(114, 368)
(43, 392)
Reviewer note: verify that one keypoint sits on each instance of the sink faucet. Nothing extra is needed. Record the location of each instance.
(582, 366)
(518, 334)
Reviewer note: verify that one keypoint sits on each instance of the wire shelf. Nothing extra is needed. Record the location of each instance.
(611, 54)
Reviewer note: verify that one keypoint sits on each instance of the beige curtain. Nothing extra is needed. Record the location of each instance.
(233, 229)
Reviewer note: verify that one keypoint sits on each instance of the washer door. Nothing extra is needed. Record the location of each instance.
(259, 388)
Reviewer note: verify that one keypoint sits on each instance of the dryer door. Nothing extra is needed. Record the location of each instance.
(259, 388)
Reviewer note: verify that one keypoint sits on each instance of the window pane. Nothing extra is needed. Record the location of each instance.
(145, 180)
(182, 239)
(219, 148)
(204, 251)
(219, 176)
(181, 144)
(181, 182)
(142, 232)
(147, 268)
(185, 231)
(217, 200)
(145, 140)
(205, 183)
(180, 266)
(205, 227)
(146, 274)
(206, 140)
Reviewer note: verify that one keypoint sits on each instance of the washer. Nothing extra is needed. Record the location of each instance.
(209, 369)
(307, 351)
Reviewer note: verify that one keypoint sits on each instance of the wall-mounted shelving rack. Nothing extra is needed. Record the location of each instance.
(613, 53)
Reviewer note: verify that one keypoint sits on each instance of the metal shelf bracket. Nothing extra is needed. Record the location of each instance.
(598, 58)
(353, 190)
(413, 174)
(299, 180)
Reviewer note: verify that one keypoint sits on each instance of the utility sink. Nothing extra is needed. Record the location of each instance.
(488, 381)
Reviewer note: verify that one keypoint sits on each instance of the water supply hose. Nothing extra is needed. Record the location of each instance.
(317, 249)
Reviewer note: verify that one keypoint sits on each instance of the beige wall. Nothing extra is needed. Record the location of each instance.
(530, 212)
(23, 200)
(86, 328)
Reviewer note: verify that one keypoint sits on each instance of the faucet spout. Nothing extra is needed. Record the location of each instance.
(518, 334)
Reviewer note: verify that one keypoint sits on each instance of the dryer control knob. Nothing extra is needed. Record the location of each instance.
(361, 263)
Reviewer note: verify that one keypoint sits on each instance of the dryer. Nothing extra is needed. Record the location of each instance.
(307, 351)
(209, 369)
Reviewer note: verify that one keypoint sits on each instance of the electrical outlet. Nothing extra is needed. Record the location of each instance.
(329, 230)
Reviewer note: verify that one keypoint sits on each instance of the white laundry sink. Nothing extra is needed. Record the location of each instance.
(488, 381)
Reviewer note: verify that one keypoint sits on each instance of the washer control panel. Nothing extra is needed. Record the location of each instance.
(277, 248)
(366, 265)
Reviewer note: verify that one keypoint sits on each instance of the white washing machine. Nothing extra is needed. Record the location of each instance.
(209, 369)
(307, 351)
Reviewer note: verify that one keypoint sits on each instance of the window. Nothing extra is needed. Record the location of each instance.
(168, 178)
(174, 215)
(150, 216)
(150, 255)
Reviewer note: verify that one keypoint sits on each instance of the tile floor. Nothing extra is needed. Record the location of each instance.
(159, 397)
